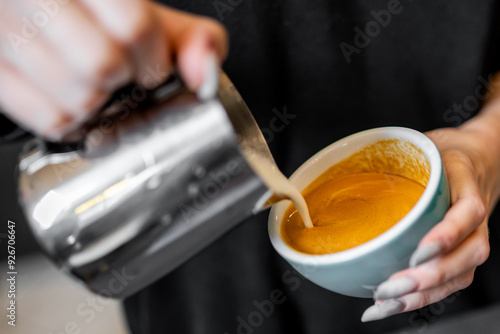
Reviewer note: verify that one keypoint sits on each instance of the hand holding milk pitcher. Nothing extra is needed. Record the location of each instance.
(69, 57)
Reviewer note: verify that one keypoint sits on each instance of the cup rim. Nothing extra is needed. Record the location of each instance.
(417, 138)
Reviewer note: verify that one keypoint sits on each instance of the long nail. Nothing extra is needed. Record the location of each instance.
(426, 253)
(210, 84)
(383, 310)
(394, 288)
(52, 125)
(119, 78)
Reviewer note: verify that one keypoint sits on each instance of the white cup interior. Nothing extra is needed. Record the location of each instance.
(336, 152)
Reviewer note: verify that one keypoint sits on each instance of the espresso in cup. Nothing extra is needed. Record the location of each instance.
(358, 198)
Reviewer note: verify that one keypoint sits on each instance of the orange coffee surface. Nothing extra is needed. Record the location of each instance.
(350, 210)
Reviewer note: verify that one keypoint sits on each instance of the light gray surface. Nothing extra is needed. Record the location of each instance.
(50, 303)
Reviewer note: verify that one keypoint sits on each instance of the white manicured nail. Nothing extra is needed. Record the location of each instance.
(383, 310)
(208, 89)
(49, 124)
(121, 77)
(425, 253)
(394, 288)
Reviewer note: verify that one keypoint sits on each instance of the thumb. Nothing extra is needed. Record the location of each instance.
(195, 42)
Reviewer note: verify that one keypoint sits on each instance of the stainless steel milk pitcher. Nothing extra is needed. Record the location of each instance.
(145, 192)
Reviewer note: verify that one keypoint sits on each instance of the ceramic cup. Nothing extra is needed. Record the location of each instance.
(357, 271)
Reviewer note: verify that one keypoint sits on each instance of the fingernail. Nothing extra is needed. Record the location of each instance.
(394, 288)
(425, 253)
(383, 310)
(119, 78)
(51, 125)
(210, 84)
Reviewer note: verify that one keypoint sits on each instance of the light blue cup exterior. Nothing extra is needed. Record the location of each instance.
(357, 271)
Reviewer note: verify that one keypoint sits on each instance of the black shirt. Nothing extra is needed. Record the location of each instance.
(337, 67)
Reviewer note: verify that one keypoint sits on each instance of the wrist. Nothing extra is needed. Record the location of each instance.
(484, 134)
(486, 126)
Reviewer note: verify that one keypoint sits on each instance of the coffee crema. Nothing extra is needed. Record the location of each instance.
(358, 198)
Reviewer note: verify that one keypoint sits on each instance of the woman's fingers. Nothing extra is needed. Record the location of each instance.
(466, 213)
(442, 270)
(134, 24)
(430, 282)
(195, 41)
(91, 53)
(24, 103)
(45, 66)
(41, 64)
(413, 301)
